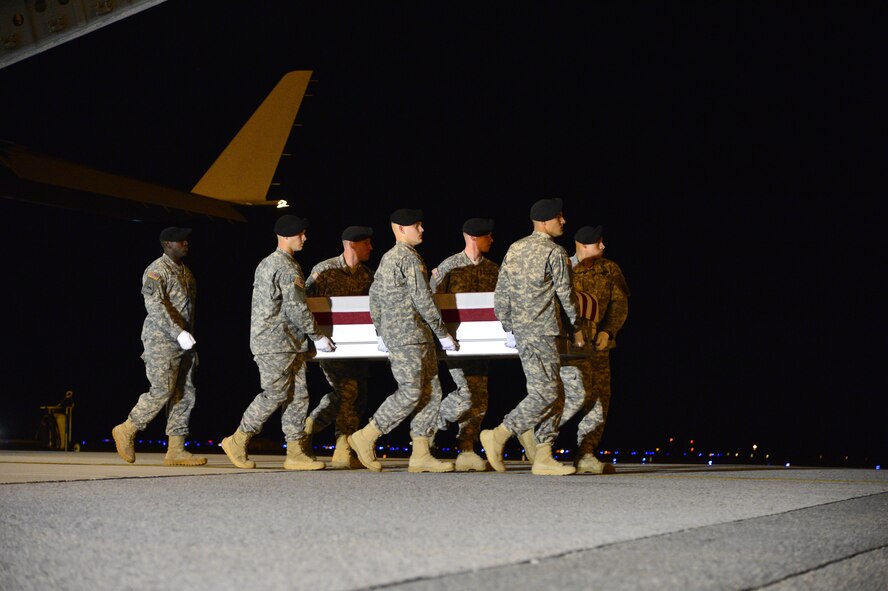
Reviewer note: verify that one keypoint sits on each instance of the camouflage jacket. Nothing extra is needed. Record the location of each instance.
(457, 274)
(605, 281)
(534, 293)
(169, 290)
(280, 320)
(401, 303)
(333, 277)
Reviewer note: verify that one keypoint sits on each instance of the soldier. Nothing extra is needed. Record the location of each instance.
(280, 321)
(169, 291)
(587, 381)
(533, 292)
(407, 321)
(467, 271)
(343, 275)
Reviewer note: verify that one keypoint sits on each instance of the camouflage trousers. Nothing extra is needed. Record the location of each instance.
(414, 367)
(542, 406)
(587, 389)
(170, 374)
(282, 378)
(468, 403)
(346, 403)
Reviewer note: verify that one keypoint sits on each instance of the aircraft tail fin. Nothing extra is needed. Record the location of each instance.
(244, 171)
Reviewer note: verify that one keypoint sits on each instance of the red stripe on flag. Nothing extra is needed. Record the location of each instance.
(468, 315)
(331, 318)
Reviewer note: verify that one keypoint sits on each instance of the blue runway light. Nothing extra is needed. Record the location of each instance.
(709, 462)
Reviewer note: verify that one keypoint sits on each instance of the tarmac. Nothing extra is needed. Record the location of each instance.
(88, 520)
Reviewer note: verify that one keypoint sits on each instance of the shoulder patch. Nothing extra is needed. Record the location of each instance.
(435, 272)
(154, 275)
(299, 282)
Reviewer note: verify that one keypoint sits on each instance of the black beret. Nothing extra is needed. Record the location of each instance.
(406, 217)
(357, 233)
(545, 209)
(478, 226)
(588, 234)
(289, 225)
(173, 234)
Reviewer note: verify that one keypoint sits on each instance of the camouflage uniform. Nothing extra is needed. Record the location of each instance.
(406, 317)
(346, 403)
(169, 290)
(587, 381)
(468, 403)
(533, 296)
(280, 325)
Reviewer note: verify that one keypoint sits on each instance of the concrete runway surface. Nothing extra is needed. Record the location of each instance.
(88, 520)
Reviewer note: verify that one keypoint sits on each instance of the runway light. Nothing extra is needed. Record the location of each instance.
(710, 462)
(878, 466)
(787, 465)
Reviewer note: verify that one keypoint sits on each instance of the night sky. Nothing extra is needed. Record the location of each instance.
(731, 151)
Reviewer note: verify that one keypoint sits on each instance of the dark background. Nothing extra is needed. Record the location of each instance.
(731, 150)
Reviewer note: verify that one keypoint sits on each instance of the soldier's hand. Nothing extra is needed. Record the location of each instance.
(601, 341)
(381, 346)
(448, 343)
(579, 339)
(510, 340)
(186, 341)
(325, 344)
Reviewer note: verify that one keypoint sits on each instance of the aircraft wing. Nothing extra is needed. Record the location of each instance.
(34, 177)
(241, 175)
(244, 171)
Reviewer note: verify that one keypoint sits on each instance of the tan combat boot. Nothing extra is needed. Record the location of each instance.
(297, 459)
(235, 447)
(307, 441)
(123, 435)
(529, 444)
(343, 458)
(587, 463)
(177, 456)
(494, 442)
(422, 460)
(545, 465)
(468, 460)
(363, 442)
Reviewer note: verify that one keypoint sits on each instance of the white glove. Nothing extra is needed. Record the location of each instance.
(510, 340)
(186, 341)
(601, 341)
(381, 346)
(448, 343)
(325, 345)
